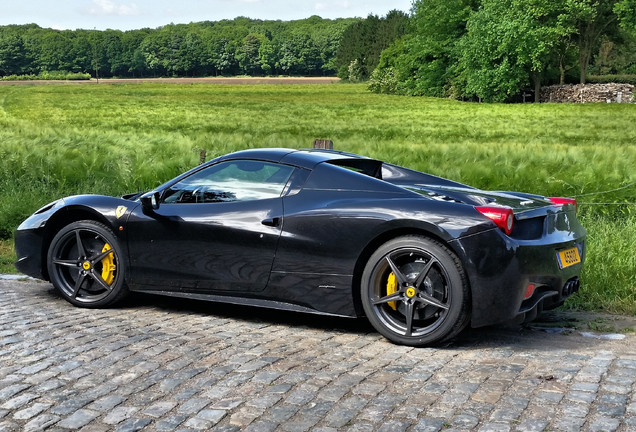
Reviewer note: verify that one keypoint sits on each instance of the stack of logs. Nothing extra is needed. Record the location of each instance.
(584, 93)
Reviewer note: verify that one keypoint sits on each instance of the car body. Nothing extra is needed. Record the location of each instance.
(316, 231)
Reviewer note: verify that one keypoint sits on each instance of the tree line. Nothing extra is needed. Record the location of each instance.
(363, 41)
(241, 46)
(467, 49)
(492, 49)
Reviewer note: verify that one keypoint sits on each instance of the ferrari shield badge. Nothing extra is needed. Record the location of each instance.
(120, 211)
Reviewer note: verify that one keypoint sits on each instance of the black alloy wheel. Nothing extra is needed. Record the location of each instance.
(85, 264)
(415, 292)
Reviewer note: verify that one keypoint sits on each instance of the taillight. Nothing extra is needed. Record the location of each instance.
(563, 201)
(503, 217)
(529, 291)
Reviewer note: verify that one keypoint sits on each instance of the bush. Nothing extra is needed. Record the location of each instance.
(48, 75)
(19, 77)
(383, 81)
(356, 71)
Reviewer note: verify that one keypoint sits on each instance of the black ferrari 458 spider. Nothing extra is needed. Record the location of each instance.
(316, 231)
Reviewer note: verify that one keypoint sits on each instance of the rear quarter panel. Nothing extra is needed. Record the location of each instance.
(329, 231)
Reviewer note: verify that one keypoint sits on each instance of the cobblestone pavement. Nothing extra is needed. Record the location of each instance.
(160, 364)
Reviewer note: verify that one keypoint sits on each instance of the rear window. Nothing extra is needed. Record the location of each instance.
(369, 167)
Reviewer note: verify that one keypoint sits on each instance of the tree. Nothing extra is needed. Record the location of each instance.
(176, 62)
(248, 54)
(310, 57)
(594, 20)
(195, 52)
(133, 62)
(425, 60)
(153, 50)
(299, 55)
(226, 63)
(509, 43)
(54, 51)
(241, 45)
(492, 49)
(138, 65)
(267, 57)
(616, 56)
(363, 42)
(114, 52)
(289, 60)
(13, 55)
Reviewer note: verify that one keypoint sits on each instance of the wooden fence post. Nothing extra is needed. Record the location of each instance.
(323, 144)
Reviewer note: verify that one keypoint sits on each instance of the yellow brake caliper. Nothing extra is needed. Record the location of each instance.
(108, 266)
(391, 287)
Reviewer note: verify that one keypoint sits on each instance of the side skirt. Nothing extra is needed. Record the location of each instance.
(269, 304)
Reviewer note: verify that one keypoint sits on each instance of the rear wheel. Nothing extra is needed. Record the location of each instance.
(414, 291)
(85, 264)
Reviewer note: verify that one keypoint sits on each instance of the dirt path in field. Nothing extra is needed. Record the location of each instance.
(209, 80)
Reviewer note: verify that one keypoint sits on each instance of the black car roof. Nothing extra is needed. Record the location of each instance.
(307, 158)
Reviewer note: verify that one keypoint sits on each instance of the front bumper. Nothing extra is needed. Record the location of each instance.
(28, 248)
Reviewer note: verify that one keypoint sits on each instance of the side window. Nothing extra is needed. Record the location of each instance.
(241, 180)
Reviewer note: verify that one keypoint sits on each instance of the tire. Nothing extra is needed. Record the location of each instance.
(86, 265)
(420, 278)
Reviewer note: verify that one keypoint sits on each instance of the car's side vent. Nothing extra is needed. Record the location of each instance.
(46, 208)
(440, 197)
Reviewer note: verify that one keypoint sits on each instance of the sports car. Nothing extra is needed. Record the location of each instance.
(318, 231)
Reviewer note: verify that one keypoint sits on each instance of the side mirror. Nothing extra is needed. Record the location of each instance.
(150, 202)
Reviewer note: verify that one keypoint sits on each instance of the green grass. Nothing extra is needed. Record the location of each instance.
(7, 257)
(610, 273)
(58, 140)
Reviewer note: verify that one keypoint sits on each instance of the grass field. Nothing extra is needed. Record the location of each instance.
(7, 257)
(58, 140)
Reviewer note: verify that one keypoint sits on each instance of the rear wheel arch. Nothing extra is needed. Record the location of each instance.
(374, 245)
(437, 304)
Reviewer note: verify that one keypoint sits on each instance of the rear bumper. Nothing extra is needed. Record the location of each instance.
(500, 268)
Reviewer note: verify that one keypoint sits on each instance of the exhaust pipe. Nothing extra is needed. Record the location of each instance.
(571, 287)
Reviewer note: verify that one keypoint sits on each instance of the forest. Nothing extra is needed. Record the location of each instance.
(490, 50)
(241, 46)
(486, 50)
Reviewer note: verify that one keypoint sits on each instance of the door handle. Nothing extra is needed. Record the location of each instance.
(273, 222)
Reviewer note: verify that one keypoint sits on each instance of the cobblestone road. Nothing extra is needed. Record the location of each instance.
(160, 364)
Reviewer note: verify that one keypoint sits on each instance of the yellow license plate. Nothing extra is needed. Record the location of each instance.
(568, 257)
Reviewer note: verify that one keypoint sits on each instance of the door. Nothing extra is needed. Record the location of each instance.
(215, 230)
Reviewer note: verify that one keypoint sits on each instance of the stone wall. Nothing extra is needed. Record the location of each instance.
(585, 93)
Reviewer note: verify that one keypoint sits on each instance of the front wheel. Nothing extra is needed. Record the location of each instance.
(414, 291)
(86, 265)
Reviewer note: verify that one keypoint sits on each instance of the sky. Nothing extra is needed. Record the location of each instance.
(136, 14)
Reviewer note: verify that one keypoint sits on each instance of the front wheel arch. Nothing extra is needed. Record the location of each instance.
(86, 264)
(61, 219)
